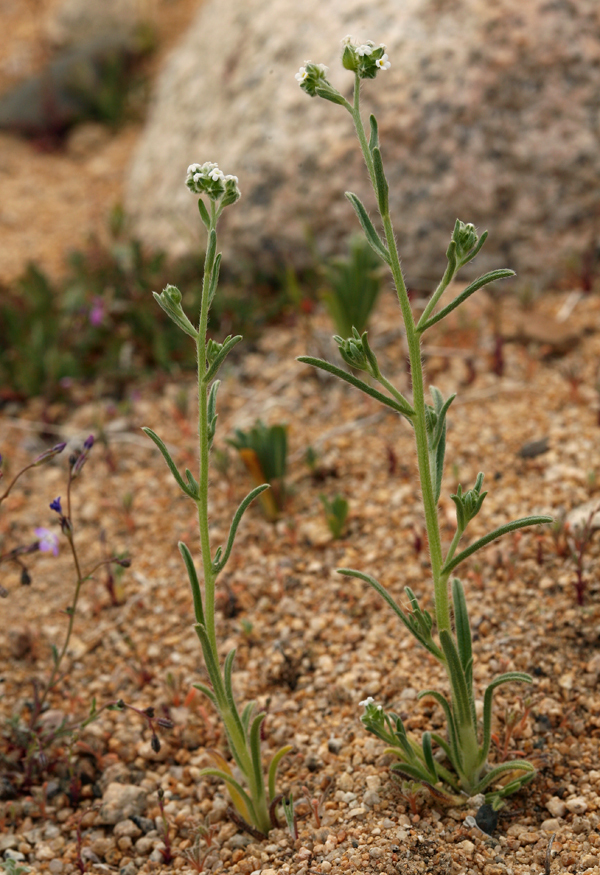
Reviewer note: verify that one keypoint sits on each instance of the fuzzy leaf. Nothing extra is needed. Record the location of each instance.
(373, 238)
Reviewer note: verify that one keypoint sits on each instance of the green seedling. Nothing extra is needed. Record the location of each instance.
(336, 513)
(354, 285)
(263, 450)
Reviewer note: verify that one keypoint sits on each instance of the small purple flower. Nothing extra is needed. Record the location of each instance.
(89, 442)
(96, 314)
(55, 505)
(48, 541)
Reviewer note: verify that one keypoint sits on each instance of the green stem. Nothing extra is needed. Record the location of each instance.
(442, 601)
(202, 501)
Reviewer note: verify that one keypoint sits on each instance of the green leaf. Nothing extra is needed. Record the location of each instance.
(331, 94)
(490, 277)
(463, 630)
(208, 693)
(507, 678)
(371, 234)
(221, 356)
(214, 278)
(194, 583)
(381, 183)
(246, 715)
(232, 785)
(410, 770)
(497, 533)
(211, 250)
(460, 693)
(212, 667)
(254, 741)
(475, 251)
(413, 628)
(274, 765)
(219, 564)
(204, 214)
(428, 755)
(406, 411)
(374, 138)
(172, 467)
(177, 315)
(453, 751)
(498, 771)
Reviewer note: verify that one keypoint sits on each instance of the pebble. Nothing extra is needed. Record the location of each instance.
(357, 812)
(8, 841)
(128, 828)
(577, 805)
(551, 825)
(10, 854)
(556, 807)
(44, 852)
(121, 801)
(56, 866)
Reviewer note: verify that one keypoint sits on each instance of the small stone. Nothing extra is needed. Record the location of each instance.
(373, 782)
(357, 812)
(334, 745)
(577, 805)
(371, 798)
(487, 819)
(466, 847)
(551, 825)
(144, 845)
(556, 807)
(56, 866)
(10, 854)
(345, 782)
(8, 841)
(127, 828)
(44, 852)
(121, 801)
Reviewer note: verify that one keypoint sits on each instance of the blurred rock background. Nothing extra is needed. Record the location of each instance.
(490, 112)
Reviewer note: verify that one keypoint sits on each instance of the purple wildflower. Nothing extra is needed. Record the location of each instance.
(48, 541)
(55, 505)
(96, 314)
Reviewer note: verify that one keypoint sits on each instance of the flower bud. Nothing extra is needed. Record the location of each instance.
(49, 454)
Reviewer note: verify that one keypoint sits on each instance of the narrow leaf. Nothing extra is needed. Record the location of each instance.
(239, 797)
(214, 278)
(473, 287)
(274, 765)
(381, 181)
(203, 214)
(167, 457)
(463, 628)
(177, 316)
(194, 583)
(471, 255)
(208, 693)
(193, 483)
(458, 682)
(254, 740)
(405, 409)
(497, 533)
(360, 575)
(219, 565)
(374, 138)
(428, 755)
(246, 715)
(211, 250)
(373, 238)
(507, 678)
(498, 771)
(221, 356)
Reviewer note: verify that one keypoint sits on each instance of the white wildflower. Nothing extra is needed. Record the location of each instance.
(383, 63)
(366, 702)
(301, 75)
(364, 50)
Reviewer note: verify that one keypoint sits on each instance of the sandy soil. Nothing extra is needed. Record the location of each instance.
(310, 644)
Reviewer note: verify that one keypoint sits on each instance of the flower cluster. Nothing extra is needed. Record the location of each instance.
(312, 76)
(366, 59)
(208, 179)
